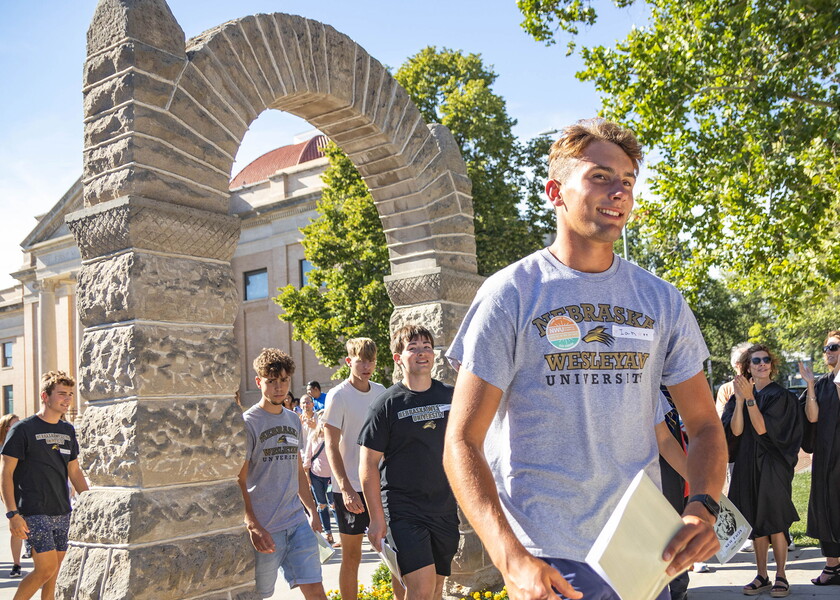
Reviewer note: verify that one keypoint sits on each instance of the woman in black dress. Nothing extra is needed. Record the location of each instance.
(764, 432)
(822, 437)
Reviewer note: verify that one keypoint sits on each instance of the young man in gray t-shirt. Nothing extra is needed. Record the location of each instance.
(560, 359)
(274, 484)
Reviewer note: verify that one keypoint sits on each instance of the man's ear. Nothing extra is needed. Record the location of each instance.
(347, 360)
(554, 192)
(398, 358)
(257, 380)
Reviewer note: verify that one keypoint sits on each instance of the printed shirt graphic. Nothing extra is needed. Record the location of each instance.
(408, 428)
(274, 442)
(580, 357)
(43, 451)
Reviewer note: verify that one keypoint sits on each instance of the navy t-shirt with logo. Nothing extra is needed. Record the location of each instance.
(43, 451)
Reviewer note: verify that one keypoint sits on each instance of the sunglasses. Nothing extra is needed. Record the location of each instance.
(758, 360)
(831, 348)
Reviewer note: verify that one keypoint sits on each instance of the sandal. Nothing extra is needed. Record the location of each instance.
(833, 576)
(781, 588)
(756, 586)
(330, 538)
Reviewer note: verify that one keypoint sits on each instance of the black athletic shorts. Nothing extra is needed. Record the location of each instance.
(421, 541)
(350, 523)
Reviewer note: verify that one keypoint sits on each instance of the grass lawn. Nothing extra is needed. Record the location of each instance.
(801, 490)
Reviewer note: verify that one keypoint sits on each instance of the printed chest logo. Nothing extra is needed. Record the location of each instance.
(426, 414)
(56, 441)
(286, 444)
(574, 325)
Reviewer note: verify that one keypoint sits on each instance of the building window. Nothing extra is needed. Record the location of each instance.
(8, 400)
(305, 267)
(7, 354)
(256, 284)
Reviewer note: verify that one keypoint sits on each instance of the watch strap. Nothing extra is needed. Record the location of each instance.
(12, 513)
(706, 500)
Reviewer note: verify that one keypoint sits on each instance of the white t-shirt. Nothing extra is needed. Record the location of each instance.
(347, 409)
(579, 357)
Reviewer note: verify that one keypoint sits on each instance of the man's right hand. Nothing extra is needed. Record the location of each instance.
(260, 538)
(352, 501)
(530, 578)
(18, 527)
(376, 532)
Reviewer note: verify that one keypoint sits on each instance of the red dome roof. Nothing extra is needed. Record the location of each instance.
(281, 158)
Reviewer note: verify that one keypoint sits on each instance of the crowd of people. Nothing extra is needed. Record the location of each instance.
(575, 370)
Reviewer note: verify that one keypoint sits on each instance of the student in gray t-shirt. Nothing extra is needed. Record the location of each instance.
(560, 359)
(274, 484)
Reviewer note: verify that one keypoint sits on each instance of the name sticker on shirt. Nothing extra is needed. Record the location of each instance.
(64, 450)
(633, 333)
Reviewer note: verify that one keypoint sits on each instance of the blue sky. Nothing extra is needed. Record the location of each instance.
(42, 51)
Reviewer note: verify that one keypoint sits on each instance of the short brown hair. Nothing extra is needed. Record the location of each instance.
(364, 348)
(271, 362)
(831, 334)
(50, 379)
(576, 137)
(746, 357)
(406, 333)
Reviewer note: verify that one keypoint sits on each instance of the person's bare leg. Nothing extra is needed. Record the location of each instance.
(830, 562)
(421, 584)
(313, 591)
(48, 589)
(780, 552)
(45, 569)
(399, 590)
(351, 558)
(762, 546)
(438, 587)
(16, 545)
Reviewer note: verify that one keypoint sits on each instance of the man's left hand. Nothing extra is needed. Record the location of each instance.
(695, 542)
(315, 521)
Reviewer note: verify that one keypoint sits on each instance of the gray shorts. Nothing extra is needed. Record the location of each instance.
(48, 532)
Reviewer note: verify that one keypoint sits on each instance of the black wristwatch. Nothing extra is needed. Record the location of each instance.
(12, 513)
(751, 402)
(707, 501)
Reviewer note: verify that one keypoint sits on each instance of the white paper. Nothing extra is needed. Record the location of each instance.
(732, 530)
(325, 549)
(628, 551)
(389, 557)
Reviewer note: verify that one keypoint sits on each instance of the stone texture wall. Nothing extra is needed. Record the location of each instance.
(164, 117)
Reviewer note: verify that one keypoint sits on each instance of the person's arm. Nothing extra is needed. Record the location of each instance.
(260, 538)
(305, 495)
(351, 499)
(706, 466)
(744, 389)
(17, 524)
(474, 404)
(372, 487)
(812, 409)
(670, 449)
(76, 477)
(736, 424)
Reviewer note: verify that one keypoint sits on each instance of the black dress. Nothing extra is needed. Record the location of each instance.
(823, 439)
(764, 464)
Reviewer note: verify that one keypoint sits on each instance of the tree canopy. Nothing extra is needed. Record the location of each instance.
(739, 99)
(346, 296)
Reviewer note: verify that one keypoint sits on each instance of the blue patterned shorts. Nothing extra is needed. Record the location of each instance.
(48, 532)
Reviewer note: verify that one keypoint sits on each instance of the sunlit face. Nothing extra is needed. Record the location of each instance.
(595, 200)
(360, 368)
(832, 356)
(306, 403)
(274, 389)
(762, 370)
(417, 358)
(59, 400)
(313, 391)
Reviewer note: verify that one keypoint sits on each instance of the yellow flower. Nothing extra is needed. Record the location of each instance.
(477, 595)
(488, 594)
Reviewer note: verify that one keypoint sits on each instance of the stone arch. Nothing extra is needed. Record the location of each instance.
(162, 439)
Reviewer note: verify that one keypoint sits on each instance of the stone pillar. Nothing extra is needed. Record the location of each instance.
(439, 298)
(46, 326)
(161, 438)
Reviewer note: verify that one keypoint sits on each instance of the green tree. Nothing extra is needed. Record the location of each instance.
(740, 100)
(346, 296)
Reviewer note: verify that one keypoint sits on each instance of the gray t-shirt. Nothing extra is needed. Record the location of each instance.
(579, 357)
(272, 454)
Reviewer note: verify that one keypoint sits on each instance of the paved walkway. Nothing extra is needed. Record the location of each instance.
(724, 581)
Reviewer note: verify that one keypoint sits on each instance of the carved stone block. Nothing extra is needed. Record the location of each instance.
(161, 442)
(167, 571)
(137, 285)
(142, 223)
(121, 516)
(433, 285)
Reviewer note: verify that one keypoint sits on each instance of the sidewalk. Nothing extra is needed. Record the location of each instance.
(724, 581)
